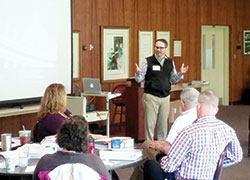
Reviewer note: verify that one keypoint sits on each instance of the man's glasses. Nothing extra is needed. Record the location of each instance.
(156, 47)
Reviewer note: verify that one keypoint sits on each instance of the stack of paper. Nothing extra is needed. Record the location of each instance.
(131, 154)
(35, 150)
(38, 150)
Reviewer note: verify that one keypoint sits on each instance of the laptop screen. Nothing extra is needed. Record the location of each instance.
(91, 85)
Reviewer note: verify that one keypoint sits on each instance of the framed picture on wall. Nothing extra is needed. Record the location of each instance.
(177, 48)
(246, 40)
(146, 45)
(76, 55)
(115, 53)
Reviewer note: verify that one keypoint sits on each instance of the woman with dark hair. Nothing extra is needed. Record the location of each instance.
(73, 139)
(52, 112)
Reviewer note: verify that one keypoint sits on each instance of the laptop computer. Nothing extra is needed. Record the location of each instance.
(92, 85)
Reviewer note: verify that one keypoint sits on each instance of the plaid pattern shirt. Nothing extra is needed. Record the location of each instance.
(195, 151)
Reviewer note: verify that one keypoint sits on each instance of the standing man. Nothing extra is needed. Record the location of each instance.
(158, 71)
(196, 149)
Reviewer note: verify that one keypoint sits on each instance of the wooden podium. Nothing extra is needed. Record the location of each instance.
(134, 111)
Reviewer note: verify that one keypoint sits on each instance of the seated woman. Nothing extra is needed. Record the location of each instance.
(73, 139)
(52, 112)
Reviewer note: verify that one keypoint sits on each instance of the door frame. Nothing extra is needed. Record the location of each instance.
(226, 61)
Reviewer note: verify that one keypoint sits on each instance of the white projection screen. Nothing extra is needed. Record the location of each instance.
(35, 48)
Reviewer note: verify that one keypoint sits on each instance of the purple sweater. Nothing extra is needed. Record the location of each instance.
(51, 161)
(50, 124)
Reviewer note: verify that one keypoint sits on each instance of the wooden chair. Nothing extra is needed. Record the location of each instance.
(119, 101)
(218, 171)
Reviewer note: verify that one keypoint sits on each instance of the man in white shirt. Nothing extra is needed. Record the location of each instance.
(189, 97)
(151, 149)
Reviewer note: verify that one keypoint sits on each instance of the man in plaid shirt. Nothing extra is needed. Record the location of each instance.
(196, 150)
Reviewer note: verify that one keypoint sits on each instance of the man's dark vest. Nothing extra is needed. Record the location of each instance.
(157, 82)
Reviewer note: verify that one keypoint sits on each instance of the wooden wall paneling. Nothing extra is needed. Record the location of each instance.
(236, 79)
(232, 52)
(235, 61)
(246, 59)
(144, 15)
(205, 9)
(102, 19)
(132, 49)
(157, 15)
(135, 56)
(9, 125)
(117, 12)
(230, 66)
(229, 17)
(129, 20)
(29, 121)
(102, 11)
(13, 124)
(166, 14)
(76, 9)
(170, 15)
(194, 57)
(172, 24)
(183, 28)
(95, 41)
(85, 25)
(219, 12)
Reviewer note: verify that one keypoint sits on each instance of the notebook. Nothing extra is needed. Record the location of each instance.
(91, 85)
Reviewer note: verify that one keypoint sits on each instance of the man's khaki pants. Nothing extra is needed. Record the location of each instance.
(156, 114)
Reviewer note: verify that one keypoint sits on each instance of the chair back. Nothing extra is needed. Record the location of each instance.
(35, 138)
(121, 88)
(218, 171)
(70, 171)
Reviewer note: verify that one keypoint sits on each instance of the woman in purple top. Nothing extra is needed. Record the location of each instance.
(52, 112)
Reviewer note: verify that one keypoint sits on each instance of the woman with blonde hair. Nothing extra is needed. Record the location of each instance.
(52, 112)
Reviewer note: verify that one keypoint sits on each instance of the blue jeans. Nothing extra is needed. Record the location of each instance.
(152, 171)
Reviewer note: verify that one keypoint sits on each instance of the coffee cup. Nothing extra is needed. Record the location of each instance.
(6, 141)
(117, 144)
(24, 136)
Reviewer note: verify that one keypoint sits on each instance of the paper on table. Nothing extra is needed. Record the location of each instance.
(30, 169)
(38, 150)
(109, 163)
(121, 155)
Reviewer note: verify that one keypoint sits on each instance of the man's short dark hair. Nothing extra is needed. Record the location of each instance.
(73, 135)
(164, 41)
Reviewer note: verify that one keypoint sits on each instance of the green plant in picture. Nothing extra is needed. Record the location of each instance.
(115, 54)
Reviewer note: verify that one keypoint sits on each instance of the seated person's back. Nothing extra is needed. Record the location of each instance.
(73, 139)
(196, 149)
